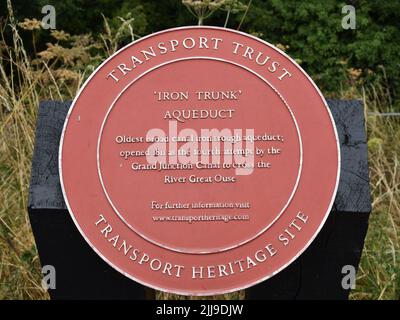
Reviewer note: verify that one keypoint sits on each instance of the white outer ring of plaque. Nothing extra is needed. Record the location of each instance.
(216, 292)
(199, 251)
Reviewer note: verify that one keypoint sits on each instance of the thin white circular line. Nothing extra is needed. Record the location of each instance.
(199, 251)
(216, 292)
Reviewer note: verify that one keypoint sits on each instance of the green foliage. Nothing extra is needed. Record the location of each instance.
(309, 30)
(336, 58)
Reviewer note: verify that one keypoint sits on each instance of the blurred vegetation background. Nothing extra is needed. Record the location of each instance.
(310, 31)
(38, 64)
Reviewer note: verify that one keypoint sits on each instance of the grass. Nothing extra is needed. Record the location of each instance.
(57, 73)
(379, 272)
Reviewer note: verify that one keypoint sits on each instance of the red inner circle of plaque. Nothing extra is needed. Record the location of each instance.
(170, 206)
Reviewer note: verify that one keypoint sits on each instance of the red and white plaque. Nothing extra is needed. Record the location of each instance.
(199, 160)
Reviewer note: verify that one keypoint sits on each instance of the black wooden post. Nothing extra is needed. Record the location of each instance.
(81, 274)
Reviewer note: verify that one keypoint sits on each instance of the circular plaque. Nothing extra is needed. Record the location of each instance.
(199, 160)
